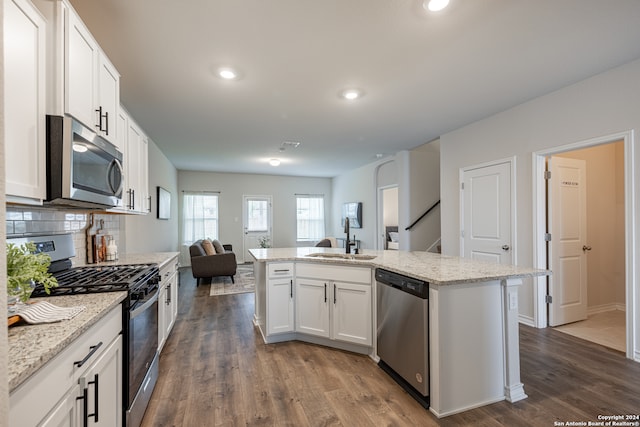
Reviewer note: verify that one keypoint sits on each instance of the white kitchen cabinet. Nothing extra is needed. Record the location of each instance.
(92, 84)
(280, 298)
(351, 313)
(312, 306)
(135, 145)
(335, 302)
(101, 386)
(167, 301)
(56, 387)
(136, 192)
(24, 102)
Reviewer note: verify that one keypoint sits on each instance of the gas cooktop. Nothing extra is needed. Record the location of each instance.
(107, 278)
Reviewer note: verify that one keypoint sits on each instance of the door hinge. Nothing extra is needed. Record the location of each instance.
(547, 237)
(547, 174)
(462, 186)
(462, 234)
(548, 299)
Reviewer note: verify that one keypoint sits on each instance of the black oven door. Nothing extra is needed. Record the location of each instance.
(143, 340)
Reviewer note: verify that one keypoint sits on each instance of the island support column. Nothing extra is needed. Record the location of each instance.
(513, 387)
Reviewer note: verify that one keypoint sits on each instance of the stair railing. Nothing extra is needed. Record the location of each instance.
(423, 215)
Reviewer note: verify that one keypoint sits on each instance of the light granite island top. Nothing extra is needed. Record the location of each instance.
(434, 268)
(32, 346)
(473, 320)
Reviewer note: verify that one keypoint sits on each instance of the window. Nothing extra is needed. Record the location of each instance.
(258, 215)
(200, 217)
(310, 218)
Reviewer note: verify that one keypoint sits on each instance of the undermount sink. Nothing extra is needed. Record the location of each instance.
(341, 256)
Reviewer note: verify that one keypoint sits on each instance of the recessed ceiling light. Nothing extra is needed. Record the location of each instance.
(227, 73)
(435, 5)
(274, 162)
(351, 94)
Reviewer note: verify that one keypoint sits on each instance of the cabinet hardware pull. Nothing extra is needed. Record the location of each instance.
(291, 287)
(325, 292)
(286, 270)
(168, 299)
(85, 406)
(92, 349)
(95, 398)
(106, 120)
(334, 294)
(99, 111)
(149, 209)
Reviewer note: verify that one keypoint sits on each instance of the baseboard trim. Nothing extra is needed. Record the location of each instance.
(526, 320)
(614, 306)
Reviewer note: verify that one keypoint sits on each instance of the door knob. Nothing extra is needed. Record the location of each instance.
(586, 248)
(505, 247)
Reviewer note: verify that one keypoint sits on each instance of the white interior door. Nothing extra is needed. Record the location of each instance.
(487, 213)
(567, 224)
(257, 220)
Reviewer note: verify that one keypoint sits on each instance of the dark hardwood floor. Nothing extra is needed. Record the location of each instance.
(216, 371)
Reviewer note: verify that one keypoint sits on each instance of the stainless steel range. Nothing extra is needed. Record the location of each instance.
(140, 313)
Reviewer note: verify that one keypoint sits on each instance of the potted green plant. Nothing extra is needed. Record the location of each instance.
(25, 268)
(264, 242)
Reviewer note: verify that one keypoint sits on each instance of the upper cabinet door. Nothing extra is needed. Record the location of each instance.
(80, 71)
(108, 102)
(24, 102)
(92, 82)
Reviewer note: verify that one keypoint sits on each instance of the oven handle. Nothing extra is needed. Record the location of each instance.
(135, 313)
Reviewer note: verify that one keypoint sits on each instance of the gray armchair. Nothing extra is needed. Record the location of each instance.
(216, 264)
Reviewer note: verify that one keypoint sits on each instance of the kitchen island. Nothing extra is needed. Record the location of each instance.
(474, 356)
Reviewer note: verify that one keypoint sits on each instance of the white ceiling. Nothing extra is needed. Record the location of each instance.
(423, 74)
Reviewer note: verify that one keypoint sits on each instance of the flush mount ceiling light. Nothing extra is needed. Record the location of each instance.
(435, 5)
(351, 94)
(228, 73)
(274, 162)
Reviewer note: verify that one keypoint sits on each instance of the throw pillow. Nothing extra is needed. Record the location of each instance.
(208, 247)
(218, 247)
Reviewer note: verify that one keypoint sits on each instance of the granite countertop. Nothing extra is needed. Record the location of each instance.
(435, 268)
(160, 258)
(31, 346)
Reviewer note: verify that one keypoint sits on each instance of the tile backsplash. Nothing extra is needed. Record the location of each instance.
(24, 221)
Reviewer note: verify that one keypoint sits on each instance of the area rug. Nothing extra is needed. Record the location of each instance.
(244, 282)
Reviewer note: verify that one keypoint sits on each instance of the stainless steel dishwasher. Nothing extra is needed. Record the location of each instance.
(403, 331)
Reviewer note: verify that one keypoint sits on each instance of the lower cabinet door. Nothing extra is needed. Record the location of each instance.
(67, 412)
(312, 307)
(103, 382)
(351, 314)
(280, 306)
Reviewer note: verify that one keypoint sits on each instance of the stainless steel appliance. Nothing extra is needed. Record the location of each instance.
(83, 169)
(403, 331)
(140, 313)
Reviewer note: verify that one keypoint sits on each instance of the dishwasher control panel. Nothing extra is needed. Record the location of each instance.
(417, 287)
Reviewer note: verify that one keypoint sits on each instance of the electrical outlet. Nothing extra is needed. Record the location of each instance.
(513, 301)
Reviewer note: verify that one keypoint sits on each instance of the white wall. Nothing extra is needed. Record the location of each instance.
(358, 185)
(601, 105)
(233, 187)
(419, 189)
(417, 175)
(147, 233)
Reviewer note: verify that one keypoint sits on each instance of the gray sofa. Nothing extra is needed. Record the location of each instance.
(214, 265)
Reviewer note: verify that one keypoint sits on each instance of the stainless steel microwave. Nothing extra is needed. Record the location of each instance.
(83, 169)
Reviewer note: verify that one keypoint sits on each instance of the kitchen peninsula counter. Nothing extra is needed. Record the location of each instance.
(474, 355)
(434, 268)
